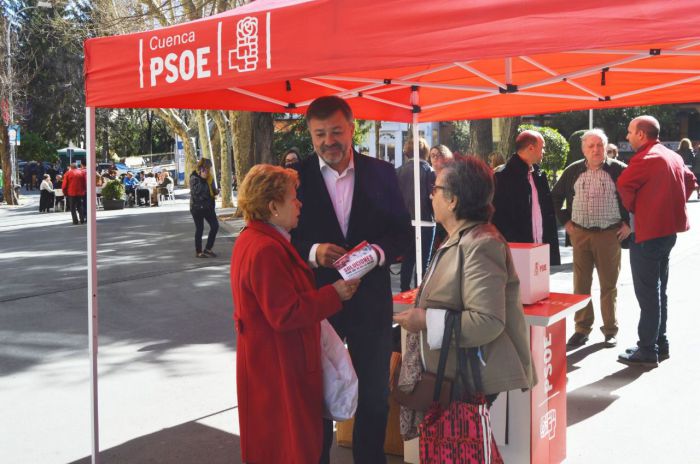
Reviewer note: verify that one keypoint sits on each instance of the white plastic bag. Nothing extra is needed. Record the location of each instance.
(339, 378)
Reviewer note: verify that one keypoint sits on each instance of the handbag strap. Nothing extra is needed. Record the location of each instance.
(453, 324)
(470, 355)
(444, 351)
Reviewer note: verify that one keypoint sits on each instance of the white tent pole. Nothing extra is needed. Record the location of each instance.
(590, 119)
(93, 315)
(416, 191)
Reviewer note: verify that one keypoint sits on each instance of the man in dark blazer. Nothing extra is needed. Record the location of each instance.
(518, 183)
(348, 198)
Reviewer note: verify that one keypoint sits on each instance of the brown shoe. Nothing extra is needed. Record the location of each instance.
(610, 341)
(576, 340)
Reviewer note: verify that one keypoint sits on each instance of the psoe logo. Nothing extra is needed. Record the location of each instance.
(540, 267)
(244, 57)
(548, 424)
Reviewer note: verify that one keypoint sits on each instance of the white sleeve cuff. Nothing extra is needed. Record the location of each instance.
(435, 320)
(380, 252)
(312, 256)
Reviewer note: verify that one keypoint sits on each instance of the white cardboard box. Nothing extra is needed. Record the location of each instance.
(531, 262)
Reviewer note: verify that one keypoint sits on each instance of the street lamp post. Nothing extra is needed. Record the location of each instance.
(10, 86)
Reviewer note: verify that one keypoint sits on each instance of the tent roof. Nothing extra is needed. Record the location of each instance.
(468, 60)
(76, 150)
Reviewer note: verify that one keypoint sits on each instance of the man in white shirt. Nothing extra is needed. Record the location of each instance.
(347, 199)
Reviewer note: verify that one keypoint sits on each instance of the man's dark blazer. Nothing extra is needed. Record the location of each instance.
(378, 216)
(513, 204)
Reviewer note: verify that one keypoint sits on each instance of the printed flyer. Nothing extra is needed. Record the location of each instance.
(357, 262)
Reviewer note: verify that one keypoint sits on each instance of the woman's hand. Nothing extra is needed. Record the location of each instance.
(412, 320)
(346, 288)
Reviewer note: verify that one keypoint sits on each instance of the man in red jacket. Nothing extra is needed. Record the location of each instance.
(654, 189)
(74, 188)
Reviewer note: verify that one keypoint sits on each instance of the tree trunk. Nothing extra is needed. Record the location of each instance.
(242, 127)
(263, 130)
(205, 139)
(377, 129)
(509, 131)
(178, 126)
(225, 141)
(7, 168)
(252, 141)
(481, 136)
(149, 131)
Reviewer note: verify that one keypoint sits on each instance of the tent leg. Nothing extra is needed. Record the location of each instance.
(93, 318)
(416, 196)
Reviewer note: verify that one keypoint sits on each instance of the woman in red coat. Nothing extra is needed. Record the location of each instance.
(277, 313)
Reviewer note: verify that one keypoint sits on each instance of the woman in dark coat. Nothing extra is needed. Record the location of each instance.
(203, 192)
(46, 194)
(278, 312)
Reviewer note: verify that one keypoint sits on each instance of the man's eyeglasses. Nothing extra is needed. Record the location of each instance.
(436, 187)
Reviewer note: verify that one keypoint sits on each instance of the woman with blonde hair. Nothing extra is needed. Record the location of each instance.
(203, 193)
(277, 314)
(439, 155)
(685, 149)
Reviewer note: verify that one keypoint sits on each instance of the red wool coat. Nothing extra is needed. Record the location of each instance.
(655, 187)
(278, 354)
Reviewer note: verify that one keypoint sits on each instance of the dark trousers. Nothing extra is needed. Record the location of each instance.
(199, 216)
(143, 194)
(77, 209)
(649, 262)
(370, 354)
(408, 264)
(46, 200)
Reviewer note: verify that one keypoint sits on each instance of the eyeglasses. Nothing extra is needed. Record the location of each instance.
(436, 187)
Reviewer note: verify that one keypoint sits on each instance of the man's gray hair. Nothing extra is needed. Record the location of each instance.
(600, 133)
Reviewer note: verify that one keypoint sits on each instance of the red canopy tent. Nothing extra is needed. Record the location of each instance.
(406, 60)
(469, 60)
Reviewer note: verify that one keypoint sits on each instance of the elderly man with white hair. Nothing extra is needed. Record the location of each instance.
(596, 222)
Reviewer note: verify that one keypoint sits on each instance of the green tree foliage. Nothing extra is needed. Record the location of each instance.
(459, 138)
(575, 151)
(293, 132)
(34, 147)
(614, 121)
(135, 132)
(556, 149)
(50, 57)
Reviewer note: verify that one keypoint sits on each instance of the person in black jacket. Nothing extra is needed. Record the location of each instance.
(348, 198)
(203, 191)
(521, 191)
(426, 180)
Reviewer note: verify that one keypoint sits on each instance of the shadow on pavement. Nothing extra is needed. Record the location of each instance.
(186, 443)
(577, 356)
(594, 398)
(193, 442)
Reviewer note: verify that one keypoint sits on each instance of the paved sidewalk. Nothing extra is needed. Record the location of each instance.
(167, 349)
